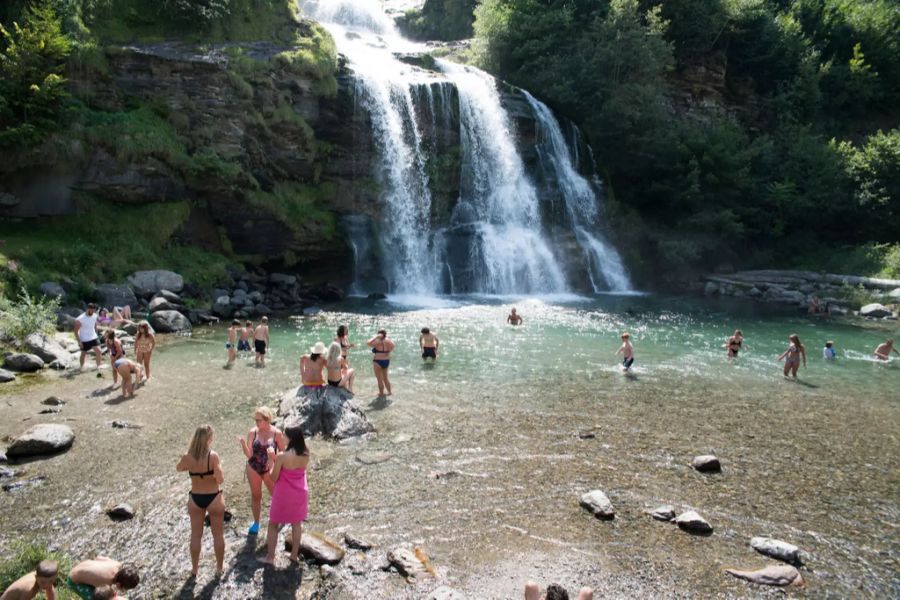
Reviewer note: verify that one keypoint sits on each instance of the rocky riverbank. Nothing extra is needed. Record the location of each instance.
(814, 292)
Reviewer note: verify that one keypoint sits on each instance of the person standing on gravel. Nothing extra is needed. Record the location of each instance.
(86, 334)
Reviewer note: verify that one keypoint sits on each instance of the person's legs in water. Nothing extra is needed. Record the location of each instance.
(347, 380)
(197, 514)
(379, 378)
(216, 512)
(296, 533)
(271, 543)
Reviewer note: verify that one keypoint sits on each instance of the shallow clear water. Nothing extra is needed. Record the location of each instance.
(482, 462)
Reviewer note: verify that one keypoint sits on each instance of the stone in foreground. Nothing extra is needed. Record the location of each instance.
(692, 522)
(318, 548)
(121, 512)
(410, 563)
(776, 549)
(356, 542)
(46, 438)
(23, 363)
(780, 575)
(446, 593)
(707, 463)
(329, 411)
(598, 504)
(666, 512)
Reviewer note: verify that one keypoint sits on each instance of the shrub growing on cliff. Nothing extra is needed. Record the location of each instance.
(32, 88)
(27, 315)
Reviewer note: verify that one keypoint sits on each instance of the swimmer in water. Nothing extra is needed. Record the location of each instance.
(514, 318)
(792, 356)
(429, 343)
(883, 351)
(627, 351)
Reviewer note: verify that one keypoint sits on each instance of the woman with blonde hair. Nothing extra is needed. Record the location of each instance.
(144, 343)
(205, 469)
(339, 372)
(256, 448)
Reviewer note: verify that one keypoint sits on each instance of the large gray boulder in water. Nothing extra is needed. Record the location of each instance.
(875, 310)
(169, 321)
(46, 438)
(147, 283)
(47, 348)
(328, 411)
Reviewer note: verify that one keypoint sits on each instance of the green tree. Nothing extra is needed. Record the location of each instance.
(32, 86)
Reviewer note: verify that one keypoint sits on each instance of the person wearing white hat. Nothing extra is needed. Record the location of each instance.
(311, 367)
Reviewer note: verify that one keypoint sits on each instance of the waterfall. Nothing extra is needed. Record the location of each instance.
(490, 237)
(605, 267)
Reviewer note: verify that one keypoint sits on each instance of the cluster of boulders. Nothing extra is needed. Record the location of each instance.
(251, 295)
(823, 292)
(598, 504)
(58, 351)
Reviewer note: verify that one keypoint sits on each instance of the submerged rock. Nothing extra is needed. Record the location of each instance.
(318, 548)
(46, 438)
(776, 549)
(410, 563)
(23, 483)
(706, 463)
(598, 504)
(329, 411)
(23, 363)
(780, 575)
(692, 522)
(666, 512)
(374, 458)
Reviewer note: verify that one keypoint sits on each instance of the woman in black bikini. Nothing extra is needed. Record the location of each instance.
(341, 338)
(205, 469)
(381, 346)
(734, 343)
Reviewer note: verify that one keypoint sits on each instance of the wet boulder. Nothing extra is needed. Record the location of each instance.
(598, 504)
(692, 522)
(778, 575)
(707, 463)
(23, 363)
(147, 283)
(47, 348)
(874, 310)
(47, 438)
(52, 401)
(169, 321)
(776, 549)
(328, 411)
(318, 548)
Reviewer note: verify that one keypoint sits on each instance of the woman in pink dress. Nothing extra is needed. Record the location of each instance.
(290, 497)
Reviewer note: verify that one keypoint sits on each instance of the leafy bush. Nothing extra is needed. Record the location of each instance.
(27, 315)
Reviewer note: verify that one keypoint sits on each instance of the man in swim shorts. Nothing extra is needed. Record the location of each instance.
(88, 575)
(429, 343)
(261, 341)
(231, 345)
(86, 334)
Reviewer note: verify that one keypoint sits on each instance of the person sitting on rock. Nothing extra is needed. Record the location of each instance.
(554, 592)
(88, 575)
(29, 586)
(339, 373)
(311, 367)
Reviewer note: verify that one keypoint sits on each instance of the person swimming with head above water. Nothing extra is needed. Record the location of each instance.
(429, 343)
(514, 318)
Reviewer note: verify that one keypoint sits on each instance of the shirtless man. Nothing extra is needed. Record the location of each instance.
(883, 351)
(39, 580)
(429, 343)
(244, 342)
(261, 341)
(90, 574)
(627, 351)
(231, 344)
(514, 318)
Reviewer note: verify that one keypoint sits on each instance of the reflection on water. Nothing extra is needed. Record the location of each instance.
(490, 448)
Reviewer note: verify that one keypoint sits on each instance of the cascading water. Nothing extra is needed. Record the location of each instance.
(492, 237)
(605, 267)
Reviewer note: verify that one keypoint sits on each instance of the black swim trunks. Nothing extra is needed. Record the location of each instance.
(260, 346)
(85, 346)
(429, 353)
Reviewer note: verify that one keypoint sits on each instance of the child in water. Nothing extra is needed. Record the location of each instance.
(627, 351)
(429, 343)
(792, 356)
(828, 352)
(246, 332)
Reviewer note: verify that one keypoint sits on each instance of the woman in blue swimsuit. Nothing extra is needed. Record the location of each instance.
(203, 465)
(381, 346)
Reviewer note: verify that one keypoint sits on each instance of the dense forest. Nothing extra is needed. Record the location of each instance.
(729, 133)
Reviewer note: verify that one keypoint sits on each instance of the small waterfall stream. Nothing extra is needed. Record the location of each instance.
(492, 236)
